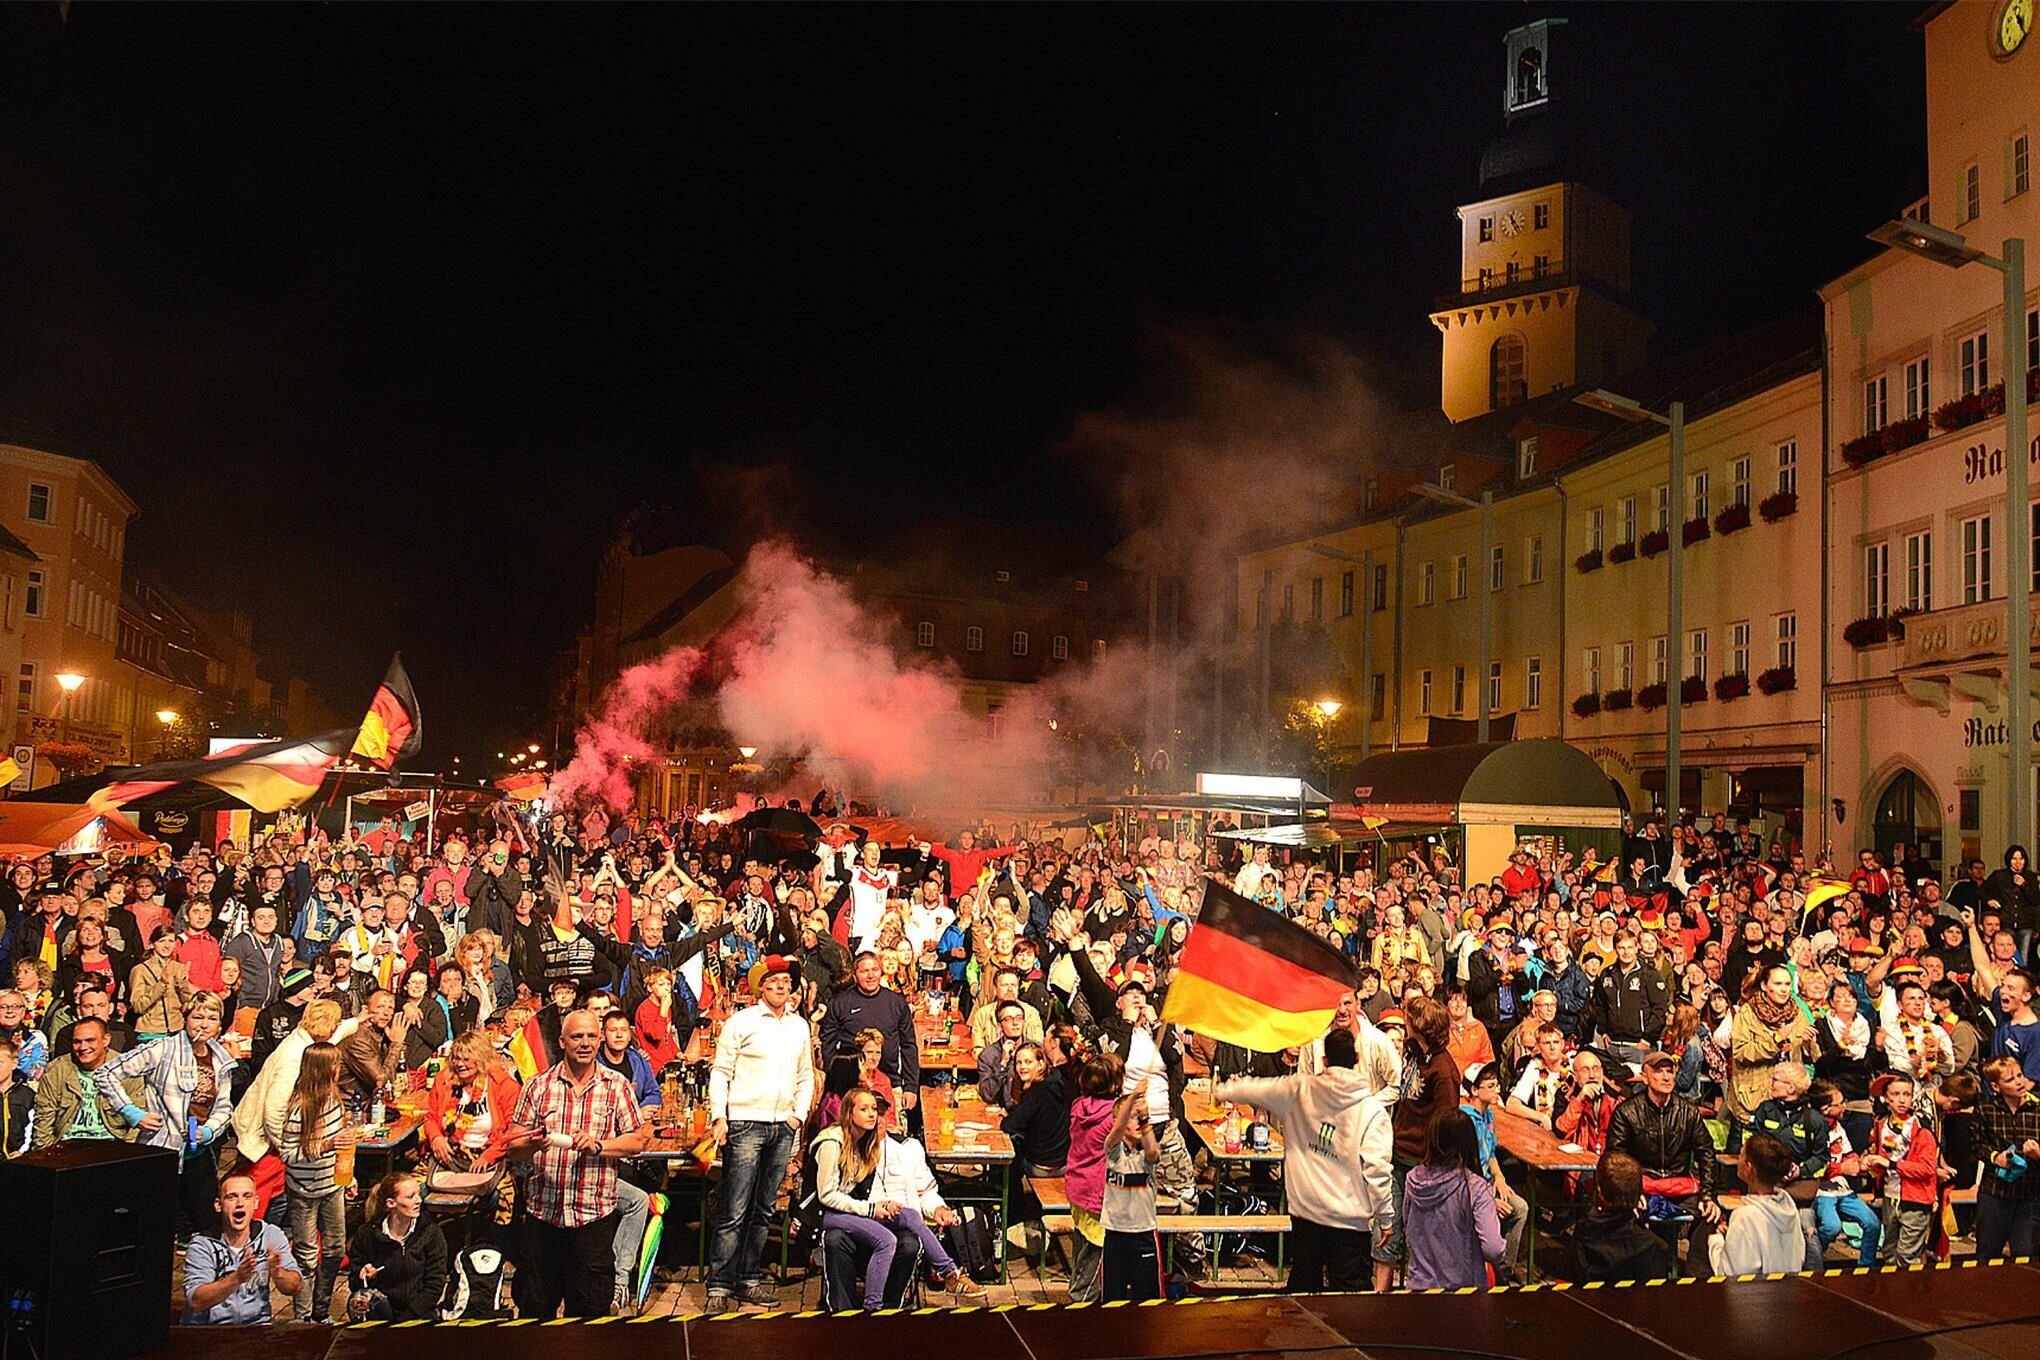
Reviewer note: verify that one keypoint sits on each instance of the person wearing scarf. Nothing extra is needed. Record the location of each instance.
(1769, 1028)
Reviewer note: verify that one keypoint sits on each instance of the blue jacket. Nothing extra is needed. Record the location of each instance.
(644, 1083)
(1575, 991)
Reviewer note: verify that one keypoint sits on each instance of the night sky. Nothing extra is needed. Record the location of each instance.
(385, 314)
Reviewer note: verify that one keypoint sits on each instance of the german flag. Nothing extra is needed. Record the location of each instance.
(527, 787)
(1250, 976)
(392, 729)
(267, 776)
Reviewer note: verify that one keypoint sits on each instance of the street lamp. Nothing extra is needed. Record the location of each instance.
(68, 681)
(747, 751)
(533, 748)
(1329, 707)
(167, 716)
(1635, 412)
(1431, 491)
(1949, 248)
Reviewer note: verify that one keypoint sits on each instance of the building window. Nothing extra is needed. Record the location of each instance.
(1625, 665)
(1081, 586)
(1540, 216)
(973, 639)
(1317, 599)
(2033, 340)
(24, 688)
(1426, 584)
(1973, 356)
(1447, 474)
(2022, 176)
(1788, 467)
(1377, 705)
(1788, 641)
(1875, 409)
(1918, 401)
(1494, 567)
(1508, 372)
(1597, 524)
(1540, 265)
(1371, 495)
(1494, 687)
(1458, 586)
(1526, 457)
(1877, 580)
(1590, 667)
(1424, 694)
(1533, 682)
(1533, 560)
(32, 597)
(1019, 643)
(1289, 602)
(1696, 507)
(40, 503)
(924, 634)
(1739, 481)
(1972, 193)
(1976, 559)
(1739, 647)
(1625, 519)
(1487, 278)
(1487, 228)
(1661, 507)
(1660, 660)
(1458, 689)
(1097, 648)
(1919, 572)
(1346, 594)
(1059, 647)
(1696, 654)
(1381, 587)
(1509, 271)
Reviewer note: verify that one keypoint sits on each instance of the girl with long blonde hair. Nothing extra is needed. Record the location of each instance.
(313, 1122)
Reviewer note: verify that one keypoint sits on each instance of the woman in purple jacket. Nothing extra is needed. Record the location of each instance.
(1448, 1209)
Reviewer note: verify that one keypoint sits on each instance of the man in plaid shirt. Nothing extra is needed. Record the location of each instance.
(576, 1121)
(2007, 1128)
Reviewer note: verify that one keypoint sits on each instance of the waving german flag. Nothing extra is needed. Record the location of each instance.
(1250, 976)
(392, 729)
(267, 776)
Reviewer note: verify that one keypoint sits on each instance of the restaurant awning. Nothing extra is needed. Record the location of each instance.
(1303, 835)
(1442, 783)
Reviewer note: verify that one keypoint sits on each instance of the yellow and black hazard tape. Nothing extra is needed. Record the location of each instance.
(1554, 1286)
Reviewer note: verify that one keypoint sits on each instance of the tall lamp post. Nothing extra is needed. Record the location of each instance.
(1431, 491)
(68, 681)
(1949, 248)
(1633, 411)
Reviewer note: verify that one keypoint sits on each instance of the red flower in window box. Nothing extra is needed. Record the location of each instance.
(1778, 679)
(1735, 517)
(1696, 529)
(1654, 542)
(1615, 700)
(1867, 632)
(1590, 560)
(1864, 449)
(1903, 434)
(1622, 552)
(1587, 705)
(1650, 698)
(1692, 690)
(1731, 687)
(1778, 505)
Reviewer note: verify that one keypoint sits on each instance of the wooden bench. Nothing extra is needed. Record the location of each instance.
(1052, 1191)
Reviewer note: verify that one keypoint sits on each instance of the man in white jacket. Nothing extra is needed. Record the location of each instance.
(1337, 1145)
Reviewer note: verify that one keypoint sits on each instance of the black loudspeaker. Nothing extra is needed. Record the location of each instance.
(85, 1257)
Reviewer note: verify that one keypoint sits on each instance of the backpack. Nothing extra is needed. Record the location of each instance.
(975, 1242)
(475, 1287)
(1227, 1248)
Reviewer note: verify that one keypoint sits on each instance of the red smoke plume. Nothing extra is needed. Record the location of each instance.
(621, 732)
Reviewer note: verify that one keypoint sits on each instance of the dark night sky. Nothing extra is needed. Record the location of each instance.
(384, 313)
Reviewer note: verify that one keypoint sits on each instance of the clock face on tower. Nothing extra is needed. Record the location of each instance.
(1512, 220)
(2014, 21)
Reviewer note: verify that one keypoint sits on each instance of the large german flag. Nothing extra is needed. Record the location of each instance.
(267, 776)
(392, 729)
(1250, 976)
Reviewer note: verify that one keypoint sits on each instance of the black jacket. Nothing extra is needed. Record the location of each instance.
(1630, 1007)
(1668, 1141)
(1613, 1247)
(411, 1273)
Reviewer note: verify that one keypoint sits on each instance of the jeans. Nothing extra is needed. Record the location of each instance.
(877, 1241)
(633, 1210)
(887, 1255)
(1515, 1216)
(754, 1163)
(2005, 1221)
(574, 1266)
(1830, 1210)
(318, 1238)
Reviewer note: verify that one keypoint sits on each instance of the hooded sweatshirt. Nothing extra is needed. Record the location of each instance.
(1084, 1173)
(1453, 1230)
(1763, 1238)
(1338, 1142)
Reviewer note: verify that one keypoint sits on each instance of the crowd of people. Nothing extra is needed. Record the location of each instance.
(1861, 1039)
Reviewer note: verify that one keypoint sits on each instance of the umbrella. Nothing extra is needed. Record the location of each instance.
(782, 822)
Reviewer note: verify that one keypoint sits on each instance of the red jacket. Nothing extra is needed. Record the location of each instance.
(503, 1092)
(1919, 1171)
(199, 952)
(655, 1035)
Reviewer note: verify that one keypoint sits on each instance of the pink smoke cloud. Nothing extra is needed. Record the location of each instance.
(621, 733)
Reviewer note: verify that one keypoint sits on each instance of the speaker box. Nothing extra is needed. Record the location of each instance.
(85, 1260)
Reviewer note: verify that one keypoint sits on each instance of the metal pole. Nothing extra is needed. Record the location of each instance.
(1487, 604)
(1675, 645)
(1366, 653)
(1267, 651)
(2019, 591)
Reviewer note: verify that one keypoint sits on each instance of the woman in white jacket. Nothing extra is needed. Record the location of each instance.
(1337, 1145)
(260, 1113)
(879, 1189)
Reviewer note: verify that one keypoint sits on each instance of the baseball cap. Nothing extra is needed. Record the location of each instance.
(1659, 1058)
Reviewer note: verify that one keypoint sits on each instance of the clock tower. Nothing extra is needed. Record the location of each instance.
(1543, 296)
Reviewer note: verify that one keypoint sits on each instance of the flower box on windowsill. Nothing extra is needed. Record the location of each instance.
(1692, 690)
(1734, 518)
(1731, 687)
(1622, 552)
(1587, 705)
(1867, 632)
(1651, 698)
(1654, 542)
(1968, 410)
(1903, 434)
(1615, 700)
(1696, 529)
(1590, 560)
(1864, 449)
(1778, 505)
(1778, 679)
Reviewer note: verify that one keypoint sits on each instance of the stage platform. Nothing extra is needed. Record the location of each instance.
(1964, 1312)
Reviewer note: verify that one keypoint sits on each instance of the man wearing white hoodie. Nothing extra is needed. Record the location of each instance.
(1764, 1236)
(1337, 1144)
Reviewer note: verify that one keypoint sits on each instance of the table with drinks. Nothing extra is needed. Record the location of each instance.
(961, 1130)
(943, 1034)
(1231, 1132)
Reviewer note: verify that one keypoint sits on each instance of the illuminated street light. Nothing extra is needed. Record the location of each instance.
(69, 680)
(533, 748)
(167, 716)
(747, 751)
(1329, 707)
